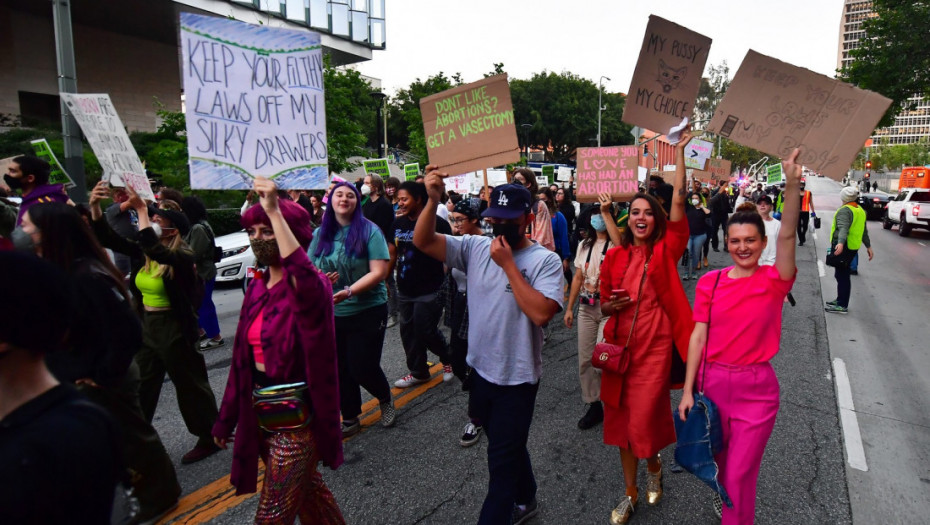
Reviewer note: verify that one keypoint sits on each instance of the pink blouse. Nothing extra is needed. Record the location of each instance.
(255, 338)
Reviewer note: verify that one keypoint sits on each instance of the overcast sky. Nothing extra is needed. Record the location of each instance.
(591, 38)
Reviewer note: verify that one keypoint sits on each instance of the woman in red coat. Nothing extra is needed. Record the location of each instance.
(639, 278)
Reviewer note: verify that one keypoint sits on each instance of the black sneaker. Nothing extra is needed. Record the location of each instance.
(471, 435)
(593, 417)
(523, 515)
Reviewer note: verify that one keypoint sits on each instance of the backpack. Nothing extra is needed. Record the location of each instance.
(217, 250)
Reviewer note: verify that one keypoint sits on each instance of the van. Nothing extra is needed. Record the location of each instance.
(914, 177)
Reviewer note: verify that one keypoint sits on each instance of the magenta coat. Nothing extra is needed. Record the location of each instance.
(298, 339)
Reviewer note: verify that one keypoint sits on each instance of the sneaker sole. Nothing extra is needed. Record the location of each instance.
(528, 516)
(467, 443)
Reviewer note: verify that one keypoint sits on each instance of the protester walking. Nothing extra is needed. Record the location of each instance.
(772, 227)
(351, 250)
(516, 285)
(419, 278)
(30, 175)
(848, 233)
(167, 295)
(697, 215)
(602, 234)
(202, 241)
(649, 315)
(734, 305)
(719, 211)
(807, 211)
(540, 228)
(284, 348)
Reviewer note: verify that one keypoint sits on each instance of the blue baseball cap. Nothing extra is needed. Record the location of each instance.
(508, 201)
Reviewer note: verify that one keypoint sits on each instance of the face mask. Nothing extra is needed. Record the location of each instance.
(23, 241)
(13, 183)
(266, 251)
(157, 229)
(597, 222)
(512, 233)
(366, 190)
(695, 202)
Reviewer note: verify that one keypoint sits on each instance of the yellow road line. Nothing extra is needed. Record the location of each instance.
(217, 497)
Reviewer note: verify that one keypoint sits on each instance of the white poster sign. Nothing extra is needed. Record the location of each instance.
(460, 184)
(254, 104)
(697, 152)
(497, 177)
(104, 130)
(564, 174)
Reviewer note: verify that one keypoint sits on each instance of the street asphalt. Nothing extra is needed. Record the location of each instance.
(417, 473)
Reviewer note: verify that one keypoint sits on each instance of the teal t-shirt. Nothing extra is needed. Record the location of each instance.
(352, 269)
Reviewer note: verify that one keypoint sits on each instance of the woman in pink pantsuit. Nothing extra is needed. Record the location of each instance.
(739, 331)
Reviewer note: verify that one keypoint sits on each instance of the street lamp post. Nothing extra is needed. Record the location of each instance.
(526, 141)
(600, 108)
(382, 123)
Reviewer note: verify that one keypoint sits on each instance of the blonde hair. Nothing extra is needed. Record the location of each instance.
(156, 269)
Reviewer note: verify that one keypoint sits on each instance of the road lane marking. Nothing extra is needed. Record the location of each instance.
(821, 269)
(920, 243)
(855, 454)
(815, 235)
(218, 497)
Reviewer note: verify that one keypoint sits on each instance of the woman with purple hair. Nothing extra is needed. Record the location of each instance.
(353, 253)
(285, 340)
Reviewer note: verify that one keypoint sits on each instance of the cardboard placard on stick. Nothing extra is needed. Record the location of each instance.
(104, 130)
(667, 76)
(255, 104)
(471, 127)
(774, 107)
(610, 170)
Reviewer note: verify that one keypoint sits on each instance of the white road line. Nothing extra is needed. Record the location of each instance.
(920, 243)
(821, 269)
(855, 454)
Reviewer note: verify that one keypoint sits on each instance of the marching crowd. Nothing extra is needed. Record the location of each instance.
(101, 303)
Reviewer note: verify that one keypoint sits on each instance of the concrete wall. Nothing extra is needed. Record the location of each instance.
(131, 70)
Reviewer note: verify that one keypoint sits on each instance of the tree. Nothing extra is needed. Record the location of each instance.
(562, 110)
(351, 116)
(891, 158)
(711, 91)
(893, 58)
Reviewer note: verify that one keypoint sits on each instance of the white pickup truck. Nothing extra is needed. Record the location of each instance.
(909, 210)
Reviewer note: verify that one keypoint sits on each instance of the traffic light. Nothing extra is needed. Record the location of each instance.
(868, 164)
(866, 176)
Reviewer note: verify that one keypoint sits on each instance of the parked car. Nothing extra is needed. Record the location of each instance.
(237, 257)
(909, 210)
(874, 204)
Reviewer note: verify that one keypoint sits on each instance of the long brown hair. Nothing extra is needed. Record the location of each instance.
(658, 213)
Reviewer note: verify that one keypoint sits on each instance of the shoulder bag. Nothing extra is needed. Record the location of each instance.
(613, 358)
(700, 437)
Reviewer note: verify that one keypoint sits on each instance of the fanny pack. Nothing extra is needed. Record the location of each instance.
(282, 408)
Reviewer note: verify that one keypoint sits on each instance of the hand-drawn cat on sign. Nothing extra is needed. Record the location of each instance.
(670, 77)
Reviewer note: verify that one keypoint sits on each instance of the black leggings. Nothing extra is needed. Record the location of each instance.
(359, 340)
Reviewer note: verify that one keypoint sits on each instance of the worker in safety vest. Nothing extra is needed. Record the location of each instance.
(807, 211)
(847, 235)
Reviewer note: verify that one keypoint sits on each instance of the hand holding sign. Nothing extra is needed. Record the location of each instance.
(791, 168)
(434, 182)
(267, 194)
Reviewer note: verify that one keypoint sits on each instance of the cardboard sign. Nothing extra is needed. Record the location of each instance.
(719, 169)
(541, 181)
(774, 174)
(564, 174)
(254, 104)
(697, 152)
(471, 127)
(610, 170)
(107, 137)
(775, 107)
(548, 171)
(667, 76)
(58, 174)
(411, 170)
(377, 166)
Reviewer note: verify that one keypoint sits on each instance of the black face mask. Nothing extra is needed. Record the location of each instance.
(13, 183)
(512, 233)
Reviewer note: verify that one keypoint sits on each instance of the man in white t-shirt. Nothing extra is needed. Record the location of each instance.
(514, 288)
(764, 204)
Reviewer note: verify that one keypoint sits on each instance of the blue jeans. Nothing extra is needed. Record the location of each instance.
(854, 265)
(506, 413)
(206, 314)
(695, 246)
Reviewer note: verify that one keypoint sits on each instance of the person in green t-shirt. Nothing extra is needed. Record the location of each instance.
(351, 250)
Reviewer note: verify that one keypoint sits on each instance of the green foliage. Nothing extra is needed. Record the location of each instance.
(224, 221)
(351, 115)
(893, 58)
(711, 90)
(892, 158)
(405, 122)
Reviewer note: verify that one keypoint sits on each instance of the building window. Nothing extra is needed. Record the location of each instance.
(39, 108)
(319, 14)
(296, 10)
(339, 17)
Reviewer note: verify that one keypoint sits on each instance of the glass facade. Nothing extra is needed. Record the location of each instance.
(361, 21)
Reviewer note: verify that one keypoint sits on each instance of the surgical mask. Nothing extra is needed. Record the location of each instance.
(366, 190)
(695, 202)
(266, 251)
(512, 233)
(12, 182)
(157, 229)
(23, 241)
(597, 222)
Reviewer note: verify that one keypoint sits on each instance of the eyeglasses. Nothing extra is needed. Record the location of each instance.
(457, 221)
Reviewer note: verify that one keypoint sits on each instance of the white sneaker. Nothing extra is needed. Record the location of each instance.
(447, 373)
(408, 381)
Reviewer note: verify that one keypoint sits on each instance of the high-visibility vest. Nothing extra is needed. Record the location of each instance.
(806, 201)
(856, 229)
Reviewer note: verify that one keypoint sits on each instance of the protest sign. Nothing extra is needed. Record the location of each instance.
(565, 174)
(668, 176)
(774, 174)
(775, 107)
(719, 169)
(610, 170)
(461, 184)
(411, 170)
(697, 152)
(377, 166)
(107, 137)
(471, 127)
(58, 174)
(255, 104)
(667, 76)
(497, 177)
(541, 181)
(548, 171)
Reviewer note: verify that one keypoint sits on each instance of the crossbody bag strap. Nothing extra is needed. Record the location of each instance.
(639, 295)
(710, 308)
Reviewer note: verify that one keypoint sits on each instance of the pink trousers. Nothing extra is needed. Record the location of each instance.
(747, 399)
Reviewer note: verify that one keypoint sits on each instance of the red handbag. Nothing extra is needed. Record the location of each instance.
(613, 358)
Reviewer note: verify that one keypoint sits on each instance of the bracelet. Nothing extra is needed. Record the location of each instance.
(348, 291)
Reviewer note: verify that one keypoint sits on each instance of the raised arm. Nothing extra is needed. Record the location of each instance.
(268, 196)
(791, 209)
(679, 190)
(612, 231)
(425, 237)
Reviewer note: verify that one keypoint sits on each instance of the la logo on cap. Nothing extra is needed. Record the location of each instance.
(502, 200)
